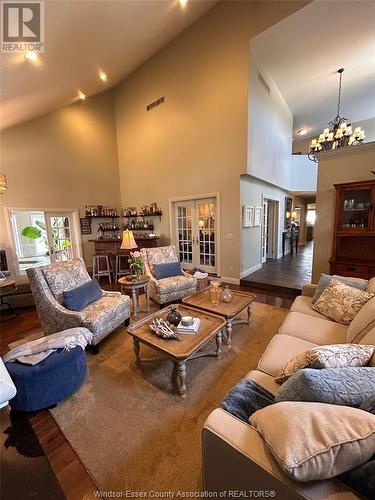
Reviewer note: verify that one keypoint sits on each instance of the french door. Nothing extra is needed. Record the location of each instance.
(196, 233)
(60, 236)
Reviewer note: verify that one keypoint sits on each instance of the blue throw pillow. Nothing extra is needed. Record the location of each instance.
(350, 386)
(326, 278)
(78, 298)
(167, 270)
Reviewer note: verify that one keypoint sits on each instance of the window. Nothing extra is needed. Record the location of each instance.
(311, 214)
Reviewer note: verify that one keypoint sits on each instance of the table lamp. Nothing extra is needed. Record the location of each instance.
(128, 241)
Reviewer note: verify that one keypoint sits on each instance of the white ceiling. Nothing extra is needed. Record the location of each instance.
(304, 52)
(82, 38)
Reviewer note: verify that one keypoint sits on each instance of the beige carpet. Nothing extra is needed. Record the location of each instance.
(128, 425)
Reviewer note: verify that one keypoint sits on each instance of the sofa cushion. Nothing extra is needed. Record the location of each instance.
(316, 330)
(64, 276)
(363, 322)
(80, 297)
(341, 302)
(303, 304)
(105, 315)
(350, 386)
(325, 280)
(371, 285)
(174, 283)
(328, 356)
(280, 350)
(313, 441)
(264, 380)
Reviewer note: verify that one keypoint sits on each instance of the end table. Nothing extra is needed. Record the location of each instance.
(135, 285)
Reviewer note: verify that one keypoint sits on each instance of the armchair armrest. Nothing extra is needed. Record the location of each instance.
(235, 457)
(309, 290)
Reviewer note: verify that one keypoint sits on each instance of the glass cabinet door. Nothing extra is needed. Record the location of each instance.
(356, 209)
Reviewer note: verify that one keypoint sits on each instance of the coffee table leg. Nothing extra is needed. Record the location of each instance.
(249, 313)
(181, 378)
(135, 308)
(229, 331)
(136, 349)
(218, 344)
(147, 292)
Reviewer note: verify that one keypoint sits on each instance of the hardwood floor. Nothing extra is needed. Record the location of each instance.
(288, 273)
(73, 481)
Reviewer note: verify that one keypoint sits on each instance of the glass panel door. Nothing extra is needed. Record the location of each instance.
(184, 232)
(264, 231)
(206, 215)
(59, 228)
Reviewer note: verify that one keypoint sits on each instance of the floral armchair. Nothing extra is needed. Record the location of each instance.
(167, 289)
(100, 317)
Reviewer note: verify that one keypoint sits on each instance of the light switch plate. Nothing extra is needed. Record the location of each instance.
(229, 236)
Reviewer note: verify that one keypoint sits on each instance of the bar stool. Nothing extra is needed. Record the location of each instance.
(101, 266)
(121, 267)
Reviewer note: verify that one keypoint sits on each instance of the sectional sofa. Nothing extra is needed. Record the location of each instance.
(235, 457)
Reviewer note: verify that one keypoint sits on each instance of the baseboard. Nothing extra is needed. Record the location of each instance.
(250, 270)
(232, 281)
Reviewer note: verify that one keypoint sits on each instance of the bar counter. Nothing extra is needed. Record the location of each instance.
(112, 245)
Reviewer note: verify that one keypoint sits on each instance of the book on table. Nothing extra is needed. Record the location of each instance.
(191, 329)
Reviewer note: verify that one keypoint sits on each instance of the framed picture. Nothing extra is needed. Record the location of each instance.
(257, 216)
(247, 216)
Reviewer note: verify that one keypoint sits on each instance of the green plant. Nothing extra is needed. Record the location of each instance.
(136, 263)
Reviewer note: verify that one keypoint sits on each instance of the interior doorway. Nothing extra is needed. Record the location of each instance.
(270, 226)
(195, 232)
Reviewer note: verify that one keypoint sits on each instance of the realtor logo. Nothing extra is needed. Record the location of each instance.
(22, 26)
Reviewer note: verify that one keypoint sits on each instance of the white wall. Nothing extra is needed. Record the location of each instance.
(304, 174)
(252, 192)
(270, 128)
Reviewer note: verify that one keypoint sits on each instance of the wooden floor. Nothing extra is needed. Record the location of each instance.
(73, 481)
(286, 273)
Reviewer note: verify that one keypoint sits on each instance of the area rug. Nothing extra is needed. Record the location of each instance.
(128, 425)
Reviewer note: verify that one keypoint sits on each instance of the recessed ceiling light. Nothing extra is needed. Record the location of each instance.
(303, 131)
(31, 55)
(103, 76)
(81, 96)
(183, 2)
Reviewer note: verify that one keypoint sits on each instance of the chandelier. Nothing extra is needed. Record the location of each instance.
(339, 134)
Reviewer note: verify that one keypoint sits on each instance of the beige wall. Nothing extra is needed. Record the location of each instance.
(351, 164)
(194, 143)
(65, 159)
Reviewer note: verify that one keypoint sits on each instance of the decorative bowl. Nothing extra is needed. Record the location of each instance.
(187, 320)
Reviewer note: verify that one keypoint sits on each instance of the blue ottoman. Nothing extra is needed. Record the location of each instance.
(50, 381)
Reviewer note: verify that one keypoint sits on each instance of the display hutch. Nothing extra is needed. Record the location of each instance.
(353, 251)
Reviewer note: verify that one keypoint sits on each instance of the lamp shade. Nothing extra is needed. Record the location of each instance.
(3, 183)
(128, 241)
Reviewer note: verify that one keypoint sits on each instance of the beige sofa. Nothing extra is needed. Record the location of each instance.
(235, 457)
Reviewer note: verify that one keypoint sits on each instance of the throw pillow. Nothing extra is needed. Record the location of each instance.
(341, 302)
(80, 297)
(245, 398)
(371, 285)
(167, 270)
(325, 280)
(313, 441)
(350, 386)
(369, 404)
(327, 356)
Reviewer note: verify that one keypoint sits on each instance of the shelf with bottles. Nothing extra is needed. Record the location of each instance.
(101, 212)
(139, 225)
(145, 211)
(108, 230)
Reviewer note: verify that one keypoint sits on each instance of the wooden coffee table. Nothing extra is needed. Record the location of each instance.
(229, 310)
(180, 352)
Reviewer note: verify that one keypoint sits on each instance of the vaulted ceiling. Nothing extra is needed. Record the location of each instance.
(83, 38)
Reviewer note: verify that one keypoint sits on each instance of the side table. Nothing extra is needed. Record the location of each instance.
(135, 285)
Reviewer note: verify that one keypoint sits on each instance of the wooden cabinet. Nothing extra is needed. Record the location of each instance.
(353, 250)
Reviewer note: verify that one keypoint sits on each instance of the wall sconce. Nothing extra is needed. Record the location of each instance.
(287, 215)
(3, 183)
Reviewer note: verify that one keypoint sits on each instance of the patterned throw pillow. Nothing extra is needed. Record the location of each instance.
(328, 356)
(341, 302)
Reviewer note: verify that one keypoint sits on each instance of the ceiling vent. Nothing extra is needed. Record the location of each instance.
(155, 103)
(264, 83)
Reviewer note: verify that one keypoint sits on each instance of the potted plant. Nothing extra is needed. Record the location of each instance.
(136, 264)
